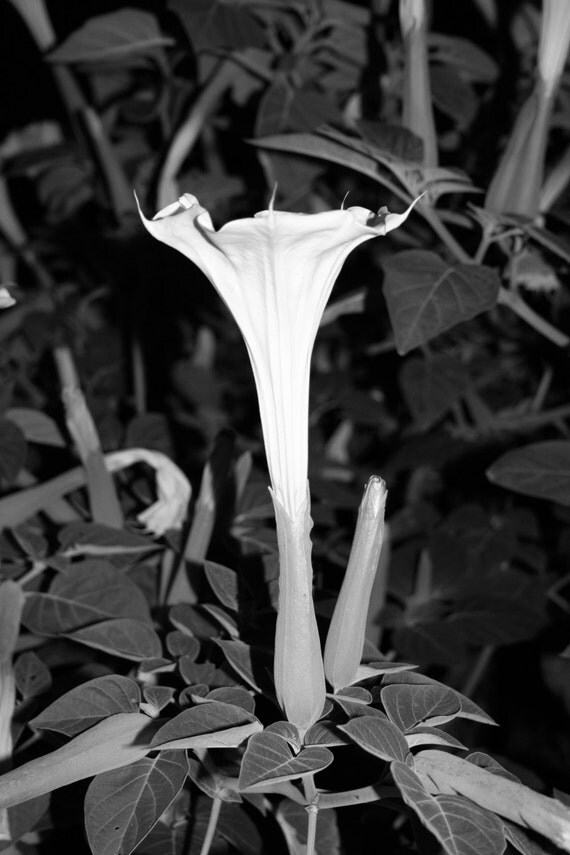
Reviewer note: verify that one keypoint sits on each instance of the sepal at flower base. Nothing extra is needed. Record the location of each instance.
(298, 668)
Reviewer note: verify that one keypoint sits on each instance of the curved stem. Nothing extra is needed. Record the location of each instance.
(516, 303)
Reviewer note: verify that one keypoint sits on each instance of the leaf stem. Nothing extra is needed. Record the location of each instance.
(212, 825)
(516, 303)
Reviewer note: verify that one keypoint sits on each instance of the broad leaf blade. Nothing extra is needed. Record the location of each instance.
(129, 639)
(122, 806)
(207, 718)
(378, 737)
(541, 470)
(268, 758)
(408, 705)
(426, 296)
(90, 703)
(112, 37)
(461, 827)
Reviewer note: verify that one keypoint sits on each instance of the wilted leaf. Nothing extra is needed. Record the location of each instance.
(112, 37)
(123, 805)
(130, 639)
(90, 703)
(541, 470)
(268, 758)
(378, 737)
(426, 296)
(461, 827)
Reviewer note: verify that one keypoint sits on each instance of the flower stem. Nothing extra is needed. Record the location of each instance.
(212, 825)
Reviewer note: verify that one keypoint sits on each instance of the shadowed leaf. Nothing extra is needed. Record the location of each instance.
(426, 296)
(541, 470)
(123, 805)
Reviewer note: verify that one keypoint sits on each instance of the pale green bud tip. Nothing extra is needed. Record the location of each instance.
(412, 14)
(345, 639)
(374, 499)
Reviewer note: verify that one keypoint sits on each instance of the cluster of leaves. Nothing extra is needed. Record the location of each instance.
(143, 666)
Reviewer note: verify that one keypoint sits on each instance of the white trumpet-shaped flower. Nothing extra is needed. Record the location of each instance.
(275, 272)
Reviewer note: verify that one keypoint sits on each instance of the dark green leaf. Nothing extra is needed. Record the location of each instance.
(453, 95)
(92, 592)
(86, 705)
(13, 450)
(112, 37)
(461, 827)
(541, 470)
(36, 426)
(214, 24)
(22, 818)
(395, 139)
(224, 584)
(205, 718)
(233, 695)
(31, 675)
(268, 758)
(465, 56)
(123, 805)
(408, 705)
(432, 386)
(158, 697)
(378, 737)
(130, 639)
(426, 296)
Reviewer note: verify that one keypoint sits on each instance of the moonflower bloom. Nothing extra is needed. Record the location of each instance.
(275, 272)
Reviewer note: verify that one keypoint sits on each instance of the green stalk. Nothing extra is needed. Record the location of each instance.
(103, 500)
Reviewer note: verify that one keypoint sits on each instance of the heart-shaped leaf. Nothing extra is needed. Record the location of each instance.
(541, 470)
(426, 295)
(378, 737)
(461, 827)
(89, 704)
(122, 806)
(268, 759)
(408, 705)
